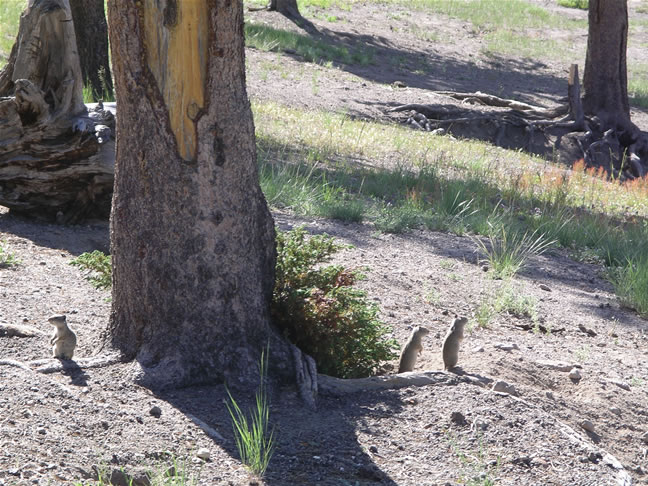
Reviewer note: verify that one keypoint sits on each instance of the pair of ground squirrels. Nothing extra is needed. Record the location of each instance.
(449, 350)
(64, 339)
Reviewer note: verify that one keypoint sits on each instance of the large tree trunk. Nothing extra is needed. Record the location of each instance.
(192, 238)
(53, 162)
(92, 40)
(605, 78)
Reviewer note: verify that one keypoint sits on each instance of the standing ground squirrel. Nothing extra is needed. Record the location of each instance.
(64, 339)
(411, 350)
(451, 342)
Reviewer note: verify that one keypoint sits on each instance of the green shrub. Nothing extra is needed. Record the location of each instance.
(582, 4)
(98, 266)
(321, 312)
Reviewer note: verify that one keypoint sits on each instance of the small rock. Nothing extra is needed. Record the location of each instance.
(155, 411)
(458, 418)
(587, 425)
(549, 395)
(521, 461)
(438, 131)
(594, 457)
(556, 365)
(370, 472)
(478, 349)
(544, 287)
(620, 384)
(373, 449)
(617, 411)
(503, 387)
(41, 430)
(203, 453)
(538, 461)
(506, 346)
(479, 424)
(399, 84)
(644, 438)
(105, 424)
(575, 375)
(484, 268)
(586, 330)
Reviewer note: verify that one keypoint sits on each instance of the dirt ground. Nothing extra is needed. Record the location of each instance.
(55, 427)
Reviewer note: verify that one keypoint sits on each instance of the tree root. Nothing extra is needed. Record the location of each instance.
(53, 365)
(15, 330)
(621, 151)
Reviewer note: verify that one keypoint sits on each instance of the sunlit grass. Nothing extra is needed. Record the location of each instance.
(337, 140)
(268, 38)
(9, 14)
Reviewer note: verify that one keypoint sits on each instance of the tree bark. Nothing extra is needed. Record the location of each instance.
(92, 41)
(605, 78)
(192, 238)
(286, 7)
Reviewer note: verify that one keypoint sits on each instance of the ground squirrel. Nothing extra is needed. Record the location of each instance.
(451, 342)
(411, 350)
(64, 339)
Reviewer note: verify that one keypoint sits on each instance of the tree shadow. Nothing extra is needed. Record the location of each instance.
(75, 239)
(313, 447)
(422, 68)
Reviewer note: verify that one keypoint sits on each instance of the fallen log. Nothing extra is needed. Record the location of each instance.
(56, 157)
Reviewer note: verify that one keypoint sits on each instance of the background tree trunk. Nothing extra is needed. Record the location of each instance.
(286, 7)
(192, 238)
(605, 78)
(92, 42)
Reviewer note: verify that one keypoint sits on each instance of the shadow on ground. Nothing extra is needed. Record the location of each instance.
(313, 447)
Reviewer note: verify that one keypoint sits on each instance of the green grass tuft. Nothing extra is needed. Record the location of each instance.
(254, 439)
(508, 250)
(631, 283)
(7, 258)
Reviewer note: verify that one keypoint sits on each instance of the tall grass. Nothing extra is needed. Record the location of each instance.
(254, 440)
(631, 283)
(508, 251)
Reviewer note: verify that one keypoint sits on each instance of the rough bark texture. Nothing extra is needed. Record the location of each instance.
(53, 163)
(605, 78)
(192, 237)
(92, 41)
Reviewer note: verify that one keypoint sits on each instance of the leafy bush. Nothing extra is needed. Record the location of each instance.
(320, 312)
(582, 4)
(98, 266)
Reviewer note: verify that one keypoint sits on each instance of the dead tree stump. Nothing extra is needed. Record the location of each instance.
(56, 159)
